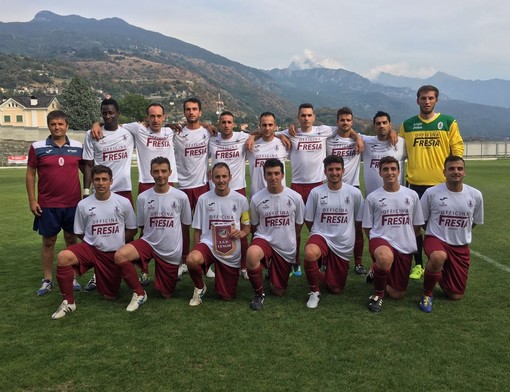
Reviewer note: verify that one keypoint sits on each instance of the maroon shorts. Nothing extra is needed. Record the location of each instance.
(455, 269)
(108, 276)
(336, 267)
(128, 195)
(304, 189)
(166, 273)
(194, 193)
(398, 278)
(227, 277)
(278, 268)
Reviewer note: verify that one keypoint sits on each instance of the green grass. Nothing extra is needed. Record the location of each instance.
(224, 346)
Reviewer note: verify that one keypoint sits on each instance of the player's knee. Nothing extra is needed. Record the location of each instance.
(383, 257)
(278, 291)
(253, 256)
(335, 289)
(312, 253)
(194, 259)
(49, 242)
(65, 258)
(394, 294)
(453, 296)
(437, 260)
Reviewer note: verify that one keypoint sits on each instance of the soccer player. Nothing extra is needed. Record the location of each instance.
(220, 221)
(230, 147)
(268, 146)
(380, 146)
(342, 144)
(277, 214)
(331, 214)
(104, 221)
(55, 163)
(392, 216)
(430, 138)
(163, 214)
(114, 150)
(192, 153)
(451, 210)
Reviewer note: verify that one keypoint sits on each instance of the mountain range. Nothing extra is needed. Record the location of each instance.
(117, 57)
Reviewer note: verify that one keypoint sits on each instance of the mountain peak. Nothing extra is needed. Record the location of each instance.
(45, 16)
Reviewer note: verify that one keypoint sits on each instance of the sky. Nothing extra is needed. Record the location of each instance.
(469, 39)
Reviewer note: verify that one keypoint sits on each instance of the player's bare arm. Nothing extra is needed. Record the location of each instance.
(130, 235)
(360, 144)
(239, 234)
(87, 178)
(35, 208)
(196, 236)
(96, 132)
(284, 139)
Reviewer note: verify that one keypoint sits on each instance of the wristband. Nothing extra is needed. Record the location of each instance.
(86, 191)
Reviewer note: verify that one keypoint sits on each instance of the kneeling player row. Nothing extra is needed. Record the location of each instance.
(391, 216)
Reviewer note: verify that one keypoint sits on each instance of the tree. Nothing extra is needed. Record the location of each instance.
(80, 103)
(133, 107)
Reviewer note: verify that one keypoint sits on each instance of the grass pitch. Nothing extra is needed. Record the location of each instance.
(224, 346)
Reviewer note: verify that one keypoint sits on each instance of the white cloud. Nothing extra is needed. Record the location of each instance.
(309, 60)
(401, 69)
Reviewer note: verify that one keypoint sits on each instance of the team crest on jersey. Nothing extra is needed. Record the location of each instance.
(117, 210)
(234, 208)
(150, 204)
(442, 201)
(407, 201)
(289, 203)
(440, 125)
(470, 204)
(265, 203)
(61, 161)
(210, 206)
(174, 205)
(324, 199)
(91, 211)
(382, 202)
(347, 200)
(276, 147)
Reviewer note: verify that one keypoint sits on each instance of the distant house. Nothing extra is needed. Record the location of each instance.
(27, 111)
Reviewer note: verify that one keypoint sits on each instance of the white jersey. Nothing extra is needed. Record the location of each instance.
(191, 150)
(333, 213)
(103, 222)
(232, 152)
(376, 149)
(150, 145)
(392, 215)
(450, 215)
(307, 153)
(215, 210)
(161, 216)
(114, 150)
(276, 216)
(345, 148)
(262, 151)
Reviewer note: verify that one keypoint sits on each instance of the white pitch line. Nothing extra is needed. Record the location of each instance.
(490, 261)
